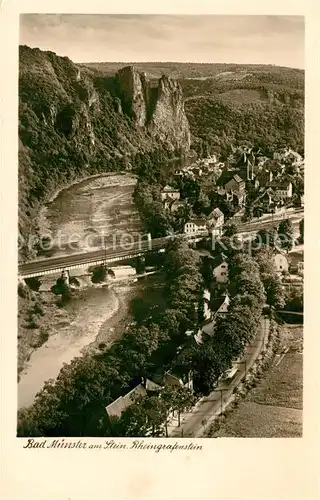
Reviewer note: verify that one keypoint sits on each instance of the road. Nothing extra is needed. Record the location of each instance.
(194, 423)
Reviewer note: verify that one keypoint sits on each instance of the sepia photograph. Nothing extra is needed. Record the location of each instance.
(161, 226)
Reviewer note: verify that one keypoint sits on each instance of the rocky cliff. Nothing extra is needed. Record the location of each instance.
(168, 118)
(75, 122)
(159, 108)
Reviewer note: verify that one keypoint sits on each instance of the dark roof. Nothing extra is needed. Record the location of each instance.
(215, 304)
(273, 165)
(216, 213)
(225, 177)
(281, 183)
(295, 257)
(218, 260)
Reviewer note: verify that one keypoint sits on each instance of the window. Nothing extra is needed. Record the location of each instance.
(223, 273)
(223, 266)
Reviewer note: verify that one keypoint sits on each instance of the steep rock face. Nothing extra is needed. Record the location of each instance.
(159, 107)
(132, 90)
(168, 120)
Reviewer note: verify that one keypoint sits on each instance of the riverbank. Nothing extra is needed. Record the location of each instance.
(70, 330)
(48, 335)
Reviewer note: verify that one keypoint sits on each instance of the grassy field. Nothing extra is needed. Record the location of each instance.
(274, 407)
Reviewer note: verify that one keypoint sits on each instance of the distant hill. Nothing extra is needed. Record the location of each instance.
(198, 70)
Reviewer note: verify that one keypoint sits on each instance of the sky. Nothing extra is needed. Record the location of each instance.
(252, 39)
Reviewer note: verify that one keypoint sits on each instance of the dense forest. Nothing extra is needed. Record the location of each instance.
(264, 110)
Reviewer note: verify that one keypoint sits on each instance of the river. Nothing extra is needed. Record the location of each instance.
(101, 205)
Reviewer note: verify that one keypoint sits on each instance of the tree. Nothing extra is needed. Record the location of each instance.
(285, 238)
(207, 364)
(180, 217)
(270, 279)
(190, 189)
(178, 398)
(147, 414)
(202, 205)
(294, 299)
(98, 274)
(275, 296)
(239, 263)
(230, 230)
(266, 237)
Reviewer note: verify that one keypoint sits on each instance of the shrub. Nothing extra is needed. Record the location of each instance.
(22, 292)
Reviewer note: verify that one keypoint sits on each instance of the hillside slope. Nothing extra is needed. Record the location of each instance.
(73, 123)
(263, 107)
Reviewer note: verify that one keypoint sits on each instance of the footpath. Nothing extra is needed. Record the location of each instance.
(196, 421)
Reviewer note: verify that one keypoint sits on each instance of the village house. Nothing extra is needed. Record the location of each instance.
(176, 205)
(215, 221)
(146, 387)
(178, 174)
(282, 189)
(167, 202)
(295, 259)
(170, 192)
(220, 268)
(281, 154)
(195, 225)
(265, 202)
(235, 184)
(224, 194)
(281, 262)
(289, 156)
(264, 178)
(232, 186)
(179, 376)
(218, 307)
(206, 305)
(274, 166)
(197, 170)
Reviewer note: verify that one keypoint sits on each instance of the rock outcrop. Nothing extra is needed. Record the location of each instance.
(169, 122)
(159, 108)
(132, 92)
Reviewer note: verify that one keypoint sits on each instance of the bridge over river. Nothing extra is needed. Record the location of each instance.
(52, 265)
